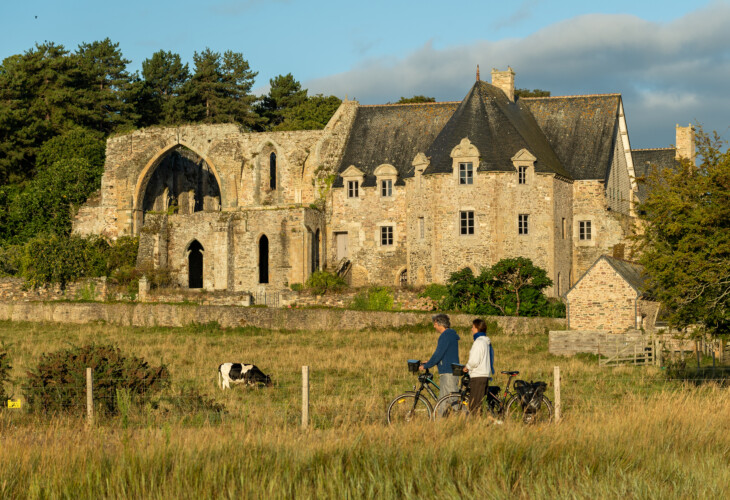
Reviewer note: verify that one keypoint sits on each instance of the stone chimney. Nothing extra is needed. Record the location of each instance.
(505, 80)
(686, 143)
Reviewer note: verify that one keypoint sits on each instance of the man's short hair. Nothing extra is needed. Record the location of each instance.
(441, 319)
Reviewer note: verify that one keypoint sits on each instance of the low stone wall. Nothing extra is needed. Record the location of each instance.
(570, 342)
(86, 289)
(176, 315)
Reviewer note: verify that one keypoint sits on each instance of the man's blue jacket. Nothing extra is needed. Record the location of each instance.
(447, 352)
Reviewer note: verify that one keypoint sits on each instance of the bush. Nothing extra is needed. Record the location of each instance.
(296, 287)
(512, 287)
(321, 282)
(4, 374)
(58, 382)
(377, 298)
(435, 292)
(10, 259)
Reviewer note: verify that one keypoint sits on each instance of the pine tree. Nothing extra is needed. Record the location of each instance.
(106, 84)
(285, 93)
(220, 89)
(165, 76)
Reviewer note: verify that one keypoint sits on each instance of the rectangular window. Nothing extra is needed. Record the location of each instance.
(386, 236)
(584, 230)
(386, 188)
(564, 228)
(466, 225)
(421, 227)
(522, 223)
(522, 175)
(353, 188)
(466, 173)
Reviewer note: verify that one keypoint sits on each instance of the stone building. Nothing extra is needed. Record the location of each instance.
(610, 297)
(386, 194)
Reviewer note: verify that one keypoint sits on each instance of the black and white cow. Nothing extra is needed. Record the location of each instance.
(238, 373)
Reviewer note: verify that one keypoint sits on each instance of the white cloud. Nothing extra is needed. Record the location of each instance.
(677, 70)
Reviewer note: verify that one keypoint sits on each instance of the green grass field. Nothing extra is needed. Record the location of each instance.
(625, 432)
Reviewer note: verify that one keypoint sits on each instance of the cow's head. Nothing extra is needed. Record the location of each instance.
(256, 376)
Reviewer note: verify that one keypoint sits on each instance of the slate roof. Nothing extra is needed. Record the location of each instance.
(394, 134)
(644, 158)
(499, 128)
(581, 130)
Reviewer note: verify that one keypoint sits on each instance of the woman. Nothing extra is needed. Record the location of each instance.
(480, 365)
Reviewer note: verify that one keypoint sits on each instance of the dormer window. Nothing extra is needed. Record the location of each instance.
(386, 188)
(386, 176)
(353, 189)
(522, 174)
(466, 173)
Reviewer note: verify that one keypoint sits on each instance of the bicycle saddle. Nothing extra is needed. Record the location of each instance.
(511, 373)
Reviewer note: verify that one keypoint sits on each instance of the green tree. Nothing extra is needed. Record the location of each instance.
(164, 77)
(415, 99)
(285, 93)
(106, 84)
(685, 238)
(38, 94)
(220, 89)
(531, 93)
(312, 114)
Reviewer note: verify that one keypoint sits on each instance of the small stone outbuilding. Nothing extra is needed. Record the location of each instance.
(610, 297)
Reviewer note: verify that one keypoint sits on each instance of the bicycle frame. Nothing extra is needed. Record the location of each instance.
(426, 384)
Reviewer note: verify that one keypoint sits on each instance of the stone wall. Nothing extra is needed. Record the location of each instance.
(608, 228)
(15, 289)
(602, 300)
(172, 315)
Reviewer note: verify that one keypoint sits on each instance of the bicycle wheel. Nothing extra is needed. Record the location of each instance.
(408, 408)
(515, 413)
(450, 406)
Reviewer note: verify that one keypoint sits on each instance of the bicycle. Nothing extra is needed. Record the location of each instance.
(513, 407)
(413, 405)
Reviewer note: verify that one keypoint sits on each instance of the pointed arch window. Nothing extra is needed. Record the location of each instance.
(264, 259)
(195, 265)
(272, 171)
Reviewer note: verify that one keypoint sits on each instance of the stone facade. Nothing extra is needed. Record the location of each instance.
(383, 187)
(607, 298)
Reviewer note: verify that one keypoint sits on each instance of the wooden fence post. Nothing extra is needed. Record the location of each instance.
(89, 398)
(556, 383)
(305, 397)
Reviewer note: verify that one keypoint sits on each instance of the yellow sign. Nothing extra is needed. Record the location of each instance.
(13, 404)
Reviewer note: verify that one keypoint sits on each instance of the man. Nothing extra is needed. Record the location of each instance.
(447, 352)
(480, 365)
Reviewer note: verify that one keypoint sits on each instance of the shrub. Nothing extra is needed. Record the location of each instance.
(512, 287)
(58, 382)
(435, 292)
(10, 259)
(321, 282)
(4, 374)
(296, 287)
(376, 298)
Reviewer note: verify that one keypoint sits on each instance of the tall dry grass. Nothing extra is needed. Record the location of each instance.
(626, 431)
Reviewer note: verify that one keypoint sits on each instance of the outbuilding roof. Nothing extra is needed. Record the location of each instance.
(632, 273)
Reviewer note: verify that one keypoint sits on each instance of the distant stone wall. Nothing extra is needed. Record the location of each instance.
(15, 289)
(177, 315)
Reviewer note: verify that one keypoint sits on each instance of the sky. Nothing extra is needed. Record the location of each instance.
(670, 60)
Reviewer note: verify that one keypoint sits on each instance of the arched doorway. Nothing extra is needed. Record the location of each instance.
(263, 259)
(195, 265)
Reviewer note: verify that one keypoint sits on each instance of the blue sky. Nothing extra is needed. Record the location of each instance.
(670, 60)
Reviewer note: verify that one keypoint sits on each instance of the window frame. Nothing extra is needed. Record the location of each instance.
(467, 223)
(353, 186)
(585, 232)
(522, 174)
(386, 188)
(467, 169)
(387, 236)
(523, 226)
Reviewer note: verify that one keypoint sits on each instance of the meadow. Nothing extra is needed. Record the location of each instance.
(625, 431)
